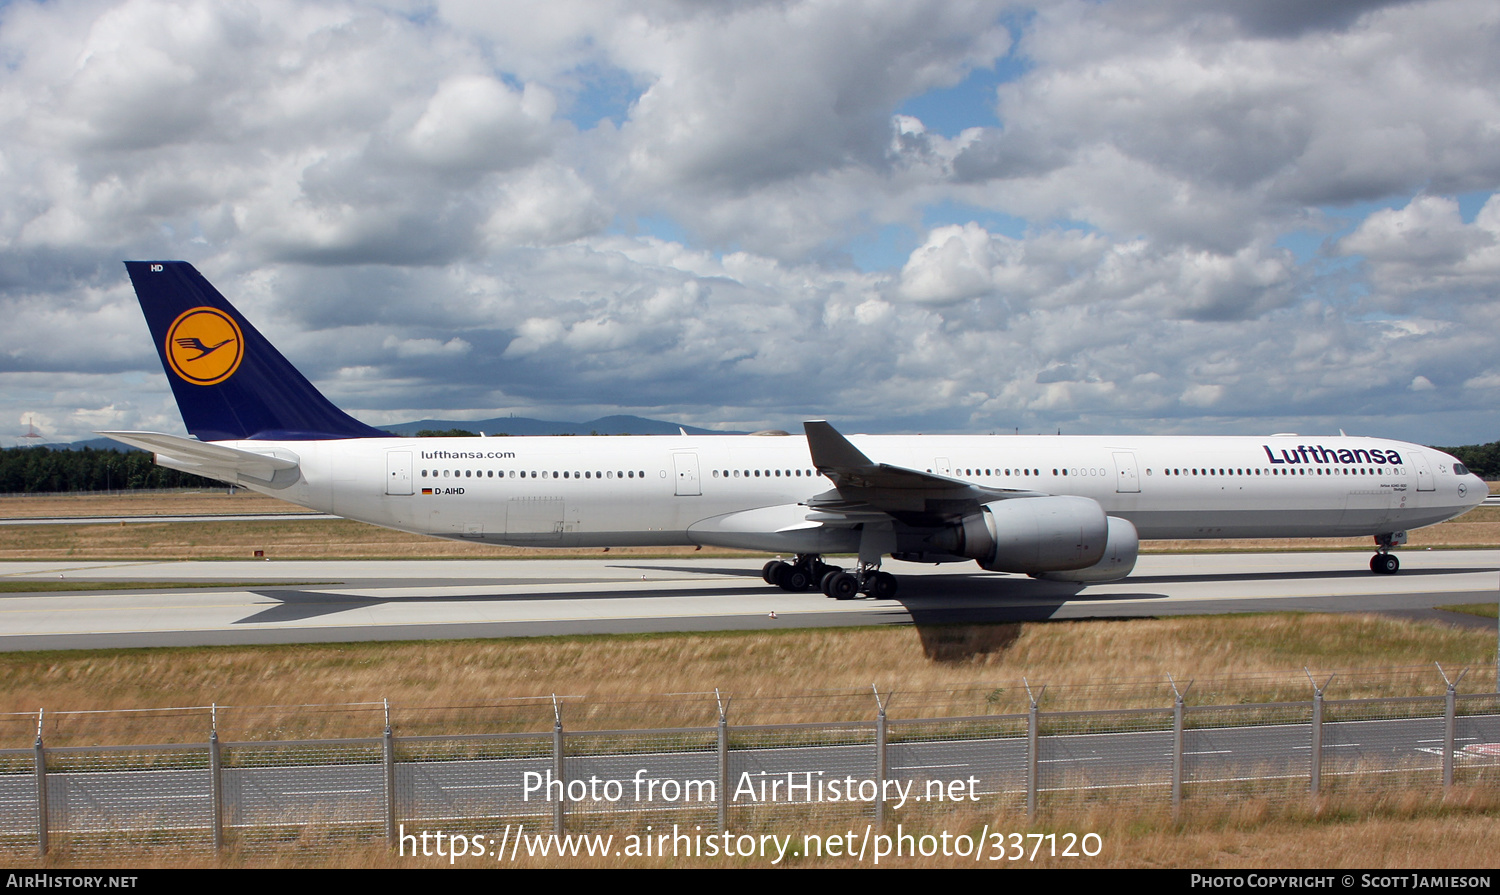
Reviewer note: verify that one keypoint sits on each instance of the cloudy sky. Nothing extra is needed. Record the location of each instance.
(1146, 216)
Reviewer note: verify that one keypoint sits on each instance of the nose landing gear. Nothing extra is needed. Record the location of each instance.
(1384, 562)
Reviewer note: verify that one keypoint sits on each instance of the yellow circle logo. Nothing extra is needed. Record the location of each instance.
(204, 346)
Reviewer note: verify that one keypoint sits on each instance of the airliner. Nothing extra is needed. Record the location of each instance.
(1059, 507)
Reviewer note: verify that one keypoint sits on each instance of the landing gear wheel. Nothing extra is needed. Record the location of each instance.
(770, 571)
(1385, 564)
(881, 586)
(841, 586)
(793, 578)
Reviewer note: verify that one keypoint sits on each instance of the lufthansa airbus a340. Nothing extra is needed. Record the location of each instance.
(1062, 507)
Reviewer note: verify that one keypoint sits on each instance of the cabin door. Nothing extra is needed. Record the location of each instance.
(687, 474)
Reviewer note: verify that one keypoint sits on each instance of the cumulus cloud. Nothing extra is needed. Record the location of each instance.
(1161, 216)
(474, 122)
(1189, 113)
(1425, 251)
(967, 262)
(454, 347)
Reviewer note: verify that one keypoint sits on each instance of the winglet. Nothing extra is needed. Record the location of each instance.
(830, 450)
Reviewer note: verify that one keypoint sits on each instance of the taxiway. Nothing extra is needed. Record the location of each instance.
(303, 602)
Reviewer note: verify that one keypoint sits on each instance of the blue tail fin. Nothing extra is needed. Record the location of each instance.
(229, 382)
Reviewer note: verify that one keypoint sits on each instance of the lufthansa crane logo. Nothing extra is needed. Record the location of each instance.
(204, 346)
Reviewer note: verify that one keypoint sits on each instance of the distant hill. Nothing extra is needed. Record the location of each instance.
(98, 444)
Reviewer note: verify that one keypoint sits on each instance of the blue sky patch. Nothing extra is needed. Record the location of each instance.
(970, 103)
(606, 93)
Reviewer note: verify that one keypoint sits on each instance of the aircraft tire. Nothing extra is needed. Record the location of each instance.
(770, 571)
(1385, 564)
(793, 578)
(882, 586)
(841, 586)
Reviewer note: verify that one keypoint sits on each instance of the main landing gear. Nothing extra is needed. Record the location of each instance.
(1384, 562)
(809, 572)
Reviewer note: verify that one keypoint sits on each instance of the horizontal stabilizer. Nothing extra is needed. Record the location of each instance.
(215, 461)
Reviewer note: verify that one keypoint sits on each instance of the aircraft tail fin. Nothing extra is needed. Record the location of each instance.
(230, 383)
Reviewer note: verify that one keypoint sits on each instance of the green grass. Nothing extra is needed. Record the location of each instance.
(1483, 610)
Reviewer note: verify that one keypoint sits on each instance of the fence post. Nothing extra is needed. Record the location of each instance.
(557, 766)
(215, 779)
(1032, 723)
(40, 760)
(1176, 749)
(388, 762)
(1450, 722)
(723, 795)
(1315, 774)
(880, 758)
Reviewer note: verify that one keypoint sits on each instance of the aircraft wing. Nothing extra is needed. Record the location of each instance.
(215, 461)
(863, 487)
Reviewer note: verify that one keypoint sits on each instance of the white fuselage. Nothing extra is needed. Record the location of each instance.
(652, 490)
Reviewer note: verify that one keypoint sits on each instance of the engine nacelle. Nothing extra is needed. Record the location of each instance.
(1123, 546)
(1031, 535)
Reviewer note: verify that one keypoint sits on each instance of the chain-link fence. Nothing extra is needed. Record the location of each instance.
(259, 778)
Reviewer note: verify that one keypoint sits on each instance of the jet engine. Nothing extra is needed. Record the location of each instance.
(1119, 557)
(1063, 537)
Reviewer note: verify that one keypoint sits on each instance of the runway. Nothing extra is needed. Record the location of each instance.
(307, 602)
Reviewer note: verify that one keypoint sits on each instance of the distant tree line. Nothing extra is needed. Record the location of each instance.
(31, 469)
(1482, 459)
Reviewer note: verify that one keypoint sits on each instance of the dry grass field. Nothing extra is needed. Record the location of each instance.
(152, 503)
(632, 681)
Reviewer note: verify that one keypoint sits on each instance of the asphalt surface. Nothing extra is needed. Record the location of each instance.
(304, 602)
